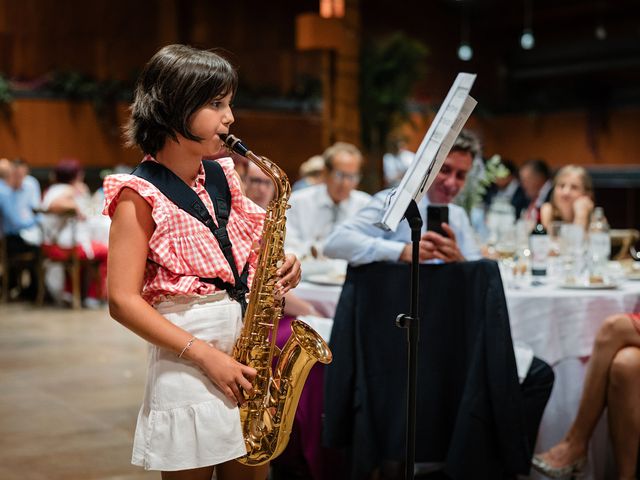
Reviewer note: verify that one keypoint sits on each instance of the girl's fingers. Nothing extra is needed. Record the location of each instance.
(245, 384)
(230, 394)
(289, 260)
(238, 398)
(248, 372)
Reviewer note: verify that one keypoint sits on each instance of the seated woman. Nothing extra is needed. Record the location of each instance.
(612, 380)
(572, 198)
(66, 227)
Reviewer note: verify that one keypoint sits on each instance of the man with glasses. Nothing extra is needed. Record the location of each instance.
(316, 210)
(257, 186)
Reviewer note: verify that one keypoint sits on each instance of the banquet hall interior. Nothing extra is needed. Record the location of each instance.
(557, 83)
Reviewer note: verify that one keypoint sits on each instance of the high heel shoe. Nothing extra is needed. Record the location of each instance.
(573, 471)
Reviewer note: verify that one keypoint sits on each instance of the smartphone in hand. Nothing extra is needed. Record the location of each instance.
(436, 216)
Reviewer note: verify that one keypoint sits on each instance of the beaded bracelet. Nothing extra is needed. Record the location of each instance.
(187, 346)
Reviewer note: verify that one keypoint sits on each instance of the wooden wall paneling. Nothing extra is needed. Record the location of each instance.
(560, 138)
(45, 131)
(287, 139)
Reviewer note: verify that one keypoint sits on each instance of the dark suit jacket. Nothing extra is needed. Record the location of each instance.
(469, 400)
(519, 200)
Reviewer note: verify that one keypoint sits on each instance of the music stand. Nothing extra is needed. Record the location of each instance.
(403, 203)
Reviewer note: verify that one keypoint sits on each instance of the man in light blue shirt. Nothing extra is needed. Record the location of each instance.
(18, 221)
(19, 197)
(358, 241)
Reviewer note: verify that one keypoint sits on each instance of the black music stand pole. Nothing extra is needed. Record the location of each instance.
(411, 323)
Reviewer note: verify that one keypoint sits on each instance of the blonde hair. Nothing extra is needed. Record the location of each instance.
(339, 147)
(581, 172)
(585, 178)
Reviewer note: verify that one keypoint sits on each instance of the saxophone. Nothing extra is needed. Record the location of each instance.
(268, 411)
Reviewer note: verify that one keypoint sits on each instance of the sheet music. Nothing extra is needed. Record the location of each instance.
(433, 150)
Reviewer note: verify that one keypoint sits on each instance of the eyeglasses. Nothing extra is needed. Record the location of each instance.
(343, 176)
(265, 182)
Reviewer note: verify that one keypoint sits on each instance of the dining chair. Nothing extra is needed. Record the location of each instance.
(73, 265)
(16, 263)
(471, 416)
(622, 240)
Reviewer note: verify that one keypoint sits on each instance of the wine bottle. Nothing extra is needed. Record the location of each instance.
(539, 245)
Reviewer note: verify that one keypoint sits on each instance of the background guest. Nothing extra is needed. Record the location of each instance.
(572, 198)
(311, 173)
(20, 223)
(317, 210)
(66, 227)
(28, 184)
(507, 188)
(535, 178)
(258, 186)
(396, 161)
(611, 381)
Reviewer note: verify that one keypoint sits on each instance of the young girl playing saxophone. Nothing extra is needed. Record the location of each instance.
(158, 257)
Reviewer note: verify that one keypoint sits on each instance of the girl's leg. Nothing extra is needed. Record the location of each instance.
(204, 473)
(233, 470)
(623, 401)
(616, 332)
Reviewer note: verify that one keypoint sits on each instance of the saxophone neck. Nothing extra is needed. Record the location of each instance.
(270, 169)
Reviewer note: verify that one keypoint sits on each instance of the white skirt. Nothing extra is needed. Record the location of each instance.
(185, 422)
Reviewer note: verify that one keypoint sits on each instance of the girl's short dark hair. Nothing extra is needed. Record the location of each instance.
(175, 83)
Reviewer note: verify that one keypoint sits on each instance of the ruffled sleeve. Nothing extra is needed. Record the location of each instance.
(113, 185)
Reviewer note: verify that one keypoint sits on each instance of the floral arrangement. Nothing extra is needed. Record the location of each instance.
(479, 179)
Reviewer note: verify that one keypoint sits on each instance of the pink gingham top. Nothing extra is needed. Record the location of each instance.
(182, 249)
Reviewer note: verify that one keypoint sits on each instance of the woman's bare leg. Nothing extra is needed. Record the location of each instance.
(623, 400)
(204, 473)
(617, 332)
(236, 471)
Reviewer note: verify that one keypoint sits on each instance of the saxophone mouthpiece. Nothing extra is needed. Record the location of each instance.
(234, 144)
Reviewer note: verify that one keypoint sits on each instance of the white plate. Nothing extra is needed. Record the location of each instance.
(326, 279)
(591, 286)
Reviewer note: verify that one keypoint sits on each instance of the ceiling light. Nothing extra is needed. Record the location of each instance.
(527, 40)
(465, 52)
(600, 32)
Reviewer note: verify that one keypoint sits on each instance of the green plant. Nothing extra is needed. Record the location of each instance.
(103, 95)
(6, 97)
(389, 69)
(479, 180)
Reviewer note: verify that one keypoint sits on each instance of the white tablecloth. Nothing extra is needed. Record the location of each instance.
(560, 325)
(323, 297)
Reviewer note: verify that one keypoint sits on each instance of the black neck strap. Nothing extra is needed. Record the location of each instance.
(186, 199)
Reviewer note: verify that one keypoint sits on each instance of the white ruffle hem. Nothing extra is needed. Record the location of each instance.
(185, 422)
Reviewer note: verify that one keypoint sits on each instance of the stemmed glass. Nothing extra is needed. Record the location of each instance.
(554, 268)
(572, 251)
